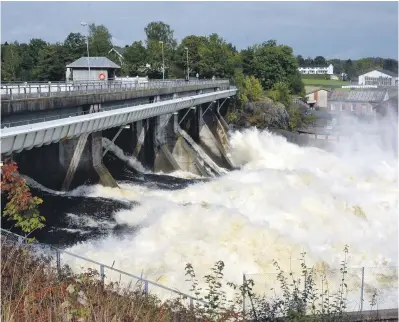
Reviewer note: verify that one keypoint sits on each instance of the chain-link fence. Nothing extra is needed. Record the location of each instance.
(363, 288)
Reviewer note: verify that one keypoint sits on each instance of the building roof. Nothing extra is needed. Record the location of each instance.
(317, 90)
(357, 96)
(95, 62)
(383, 71)
(388, 72)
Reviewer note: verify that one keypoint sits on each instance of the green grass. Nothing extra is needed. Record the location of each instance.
(324, 82)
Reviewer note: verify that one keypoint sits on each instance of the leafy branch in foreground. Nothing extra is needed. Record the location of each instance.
(21, 207)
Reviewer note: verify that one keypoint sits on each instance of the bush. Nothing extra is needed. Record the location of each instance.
(33, 290)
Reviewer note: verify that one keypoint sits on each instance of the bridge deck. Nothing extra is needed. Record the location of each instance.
(18, 138)
(22, 91)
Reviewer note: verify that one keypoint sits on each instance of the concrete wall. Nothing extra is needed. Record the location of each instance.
(321, 97)
(83, 74)
(9, 107)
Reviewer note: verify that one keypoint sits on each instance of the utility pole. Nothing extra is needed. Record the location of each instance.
(188, 70)
(84, 24)
(163, 62)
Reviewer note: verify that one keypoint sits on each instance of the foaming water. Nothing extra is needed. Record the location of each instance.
(284, 200)
(132, 161)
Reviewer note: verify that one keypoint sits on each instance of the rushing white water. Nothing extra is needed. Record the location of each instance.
(130, 160)
(284, 200)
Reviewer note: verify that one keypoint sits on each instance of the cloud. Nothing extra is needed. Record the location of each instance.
(325, 28)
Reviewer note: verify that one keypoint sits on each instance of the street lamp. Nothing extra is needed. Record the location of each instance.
(163, 62)
(84, 24)
(188, 71)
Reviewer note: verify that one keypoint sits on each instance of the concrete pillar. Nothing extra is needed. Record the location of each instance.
(106, 178)
(141, 128)
(73, 165)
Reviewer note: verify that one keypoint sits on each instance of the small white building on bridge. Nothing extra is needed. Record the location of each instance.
(101, 69)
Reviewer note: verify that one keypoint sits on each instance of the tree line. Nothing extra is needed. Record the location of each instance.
(352, 68)
(207, 55)
(269, 63)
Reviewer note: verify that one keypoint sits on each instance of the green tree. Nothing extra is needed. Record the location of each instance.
(249, 88)
(274, 63)
(194, 44)
(75, 46)
(365, 65)
(157, 32)
(350, 70)
(300, 60)
(320, 61)
(11, 62)
(100, 41)
(135, 58)
(217, 58)
(280, 92)
(51, 63)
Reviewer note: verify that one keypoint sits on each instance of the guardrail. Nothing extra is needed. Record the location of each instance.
(4, 125)
(55, 254)
(29, 90)
(65, 115)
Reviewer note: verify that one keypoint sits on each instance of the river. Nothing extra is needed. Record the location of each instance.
(284, 200)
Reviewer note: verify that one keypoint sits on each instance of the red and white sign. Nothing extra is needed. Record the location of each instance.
(101, 76)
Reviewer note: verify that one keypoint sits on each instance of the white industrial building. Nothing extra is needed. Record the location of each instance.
(327, 70)
(379, 78)
(101, 69)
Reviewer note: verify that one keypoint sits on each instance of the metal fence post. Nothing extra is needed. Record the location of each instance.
(146, 287)
(362, 291)
(191, 303)
(58, 258)
(244, 282)
(102, 276)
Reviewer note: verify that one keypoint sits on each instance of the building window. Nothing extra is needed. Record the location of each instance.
(332, 107)
(353, 108)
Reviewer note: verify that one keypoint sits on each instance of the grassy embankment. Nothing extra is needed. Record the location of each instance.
(312, 84)
(33, 290)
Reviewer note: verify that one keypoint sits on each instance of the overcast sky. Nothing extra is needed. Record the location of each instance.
(331, 29)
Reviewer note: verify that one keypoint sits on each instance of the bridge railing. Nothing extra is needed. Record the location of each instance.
(139, 102)
(14, 91)
(66, 115)
(60, 257)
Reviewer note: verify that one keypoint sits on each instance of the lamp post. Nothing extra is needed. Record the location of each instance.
(188, 71)
(163, 62)
(84, 24)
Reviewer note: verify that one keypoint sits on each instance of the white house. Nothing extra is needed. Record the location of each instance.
(379, 77)
(328, 70)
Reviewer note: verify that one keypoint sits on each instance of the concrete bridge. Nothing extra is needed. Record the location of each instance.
(56, 136)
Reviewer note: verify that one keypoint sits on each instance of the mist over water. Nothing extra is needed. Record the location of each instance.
(284, 200)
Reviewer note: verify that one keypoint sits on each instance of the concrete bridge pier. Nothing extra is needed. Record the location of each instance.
(83, 155)
(213, 135)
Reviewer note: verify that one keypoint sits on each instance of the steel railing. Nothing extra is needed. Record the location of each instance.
(14, 91)
(66, 115)
(56, 253)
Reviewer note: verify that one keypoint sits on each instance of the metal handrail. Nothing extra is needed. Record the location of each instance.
(23, 91)
(58, 251)
(65, 115)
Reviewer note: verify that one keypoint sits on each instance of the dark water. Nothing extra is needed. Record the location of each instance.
(72, 219)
